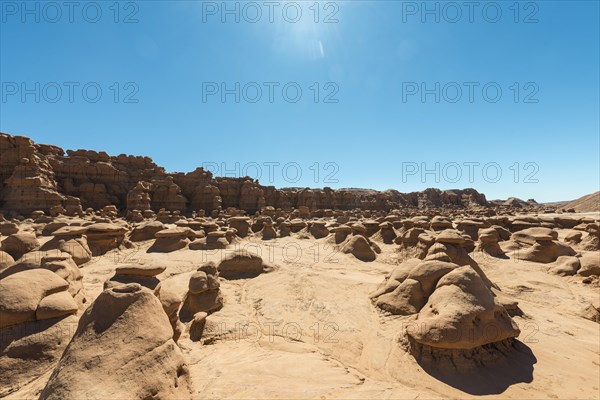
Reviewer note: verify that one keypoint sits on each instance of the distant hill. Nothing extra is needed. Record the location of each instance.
(590, 202)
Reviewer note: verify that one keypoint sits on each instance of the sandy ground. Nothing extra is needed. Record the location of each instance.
(308, 330)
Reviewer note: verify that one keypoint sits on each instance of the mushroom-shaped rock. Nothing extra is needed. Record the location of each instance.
(341, 233)
(8, 228)
(469, 227)
(70, 240)
(241, 224)
(387, 232)
(146, 231)
(360, 248)
(533, 235)
(64, 266)
(439, 223)
(124, 326)
(544, 251)
(268, 232)
(284, 229)
(450, 236)
(204, 294)
(103, 237)
(213, 241)
(172, 239)
(573, 237)
(462, 313)
(198, 282)
(488, 242)
(358, 229)
(371, 226)
(143, 274)
(197, 326)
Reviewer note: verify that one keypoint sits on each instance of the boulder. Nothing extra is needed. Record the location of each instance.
(56, 305)
(6, 260)
(462, 313)
(21, 293)
(318, 229)
(241, 264)
(359, 247)
(146, 231)
(590, 264)
(124, 327)
(565, 266)
(19, 244)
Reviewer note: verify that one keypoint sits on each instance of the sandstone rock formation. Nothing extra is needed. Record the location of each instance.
(42, 177)
(34, 295)
(124, 326)
(241, 264)
(204, 294)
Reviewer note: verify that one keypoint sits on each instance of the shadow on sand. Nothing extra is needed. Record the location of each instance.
(515, 366)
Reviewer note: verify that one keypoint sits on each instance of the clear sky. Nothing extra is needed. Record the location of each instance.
(499, 96)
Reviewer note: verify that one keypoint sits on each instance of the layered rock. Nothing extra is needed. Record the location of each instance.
(42, 177)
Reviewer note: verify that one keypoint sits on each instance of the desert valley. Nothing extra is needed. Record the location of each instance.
(119, 280)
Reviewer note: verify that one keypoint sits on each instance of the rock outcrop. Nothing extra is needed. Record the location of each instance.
(44, 177)
(124, 326)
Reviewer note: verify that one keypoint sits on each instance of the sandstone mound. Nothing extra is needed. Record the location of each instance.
(146, 231)
(488, 242)
(241, 264)
(592, 241)
(30, 349)
(122, 348)
(172, 239)
(565, 266)
(19, 244)
(34, 295)
(213, 241)
(70, 240)
(590, 264)
(318, 229)
(6, 260)
(414, 286)
(462, 313)
(204, 294)
(360, 247)
(268, 232)
(538, 244)
(103, 237)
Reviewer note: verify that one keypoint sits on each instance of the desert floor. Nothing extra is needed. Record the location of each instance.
(308, 329)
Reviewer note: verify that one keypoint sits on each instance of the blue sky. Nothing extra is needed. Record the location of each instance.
(362, 119)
